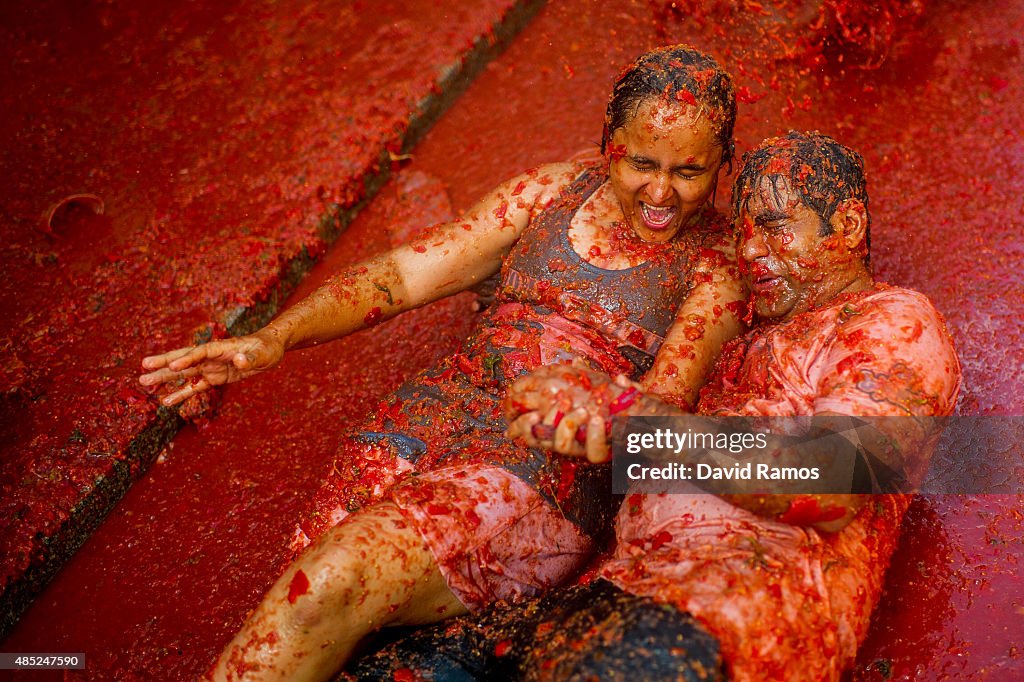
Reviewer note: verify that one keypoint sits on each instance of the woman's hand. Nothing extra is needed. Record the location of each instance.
(211, 364)
(567, 409)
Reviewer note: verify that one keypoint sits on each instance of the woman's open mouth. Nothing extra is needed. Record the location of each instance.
(657, 217)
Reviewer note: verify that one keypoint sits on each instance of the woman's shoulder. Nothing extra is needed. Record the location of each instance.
(564, 173)
(542, 184)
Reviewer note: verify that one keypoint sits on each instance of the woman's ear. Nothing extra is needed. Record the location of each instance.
(851, 221)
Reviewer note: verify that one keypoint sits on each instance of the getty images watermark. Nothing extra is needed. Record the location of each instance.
(818, 455)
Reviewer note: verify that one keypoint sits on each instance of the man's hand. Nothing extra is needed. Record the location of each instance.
(211, 364)
(567, 409)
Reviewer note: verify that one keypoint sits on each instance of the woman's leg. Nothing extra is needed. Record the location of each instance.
(372, 570)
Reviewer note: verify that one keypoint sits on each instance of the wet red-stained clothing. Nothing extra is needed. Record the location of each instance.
(504, 521)
(788, 602)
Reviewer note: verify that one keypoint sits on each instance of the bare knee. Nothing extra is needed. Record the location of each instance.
(372, 570)
(324, 585)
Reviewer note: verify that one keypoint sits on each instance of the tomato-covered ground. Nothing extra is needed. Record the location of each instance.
(217, 139)
(168, 171)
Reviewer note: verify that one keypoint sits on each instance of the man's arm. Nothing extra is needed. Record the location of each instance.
(890, 358)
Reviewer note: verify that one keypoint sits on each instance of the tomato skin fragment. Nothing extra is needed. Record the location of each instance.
(805, 511)
(298, 586)
(623, 401)
(660, 539)
(686, 96)
(746, 96)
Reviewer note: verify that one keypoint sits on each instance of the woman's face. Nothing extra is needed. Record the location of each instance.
(663, 166)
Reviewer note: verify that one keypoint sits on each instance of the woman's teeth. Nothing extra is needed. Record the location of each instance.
(657, 217)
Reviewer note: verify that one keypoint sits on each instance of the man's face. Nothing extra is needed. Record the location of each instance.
(787, 264)
(664, 166)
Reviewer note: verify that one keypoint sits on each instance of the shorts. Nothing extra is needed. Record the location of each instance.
(493, 536)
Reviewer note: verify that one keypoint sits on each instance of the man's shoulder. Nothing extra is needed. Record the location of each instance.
(899, 308)
(881, 305)
(884, 296)
(896, 311)
(863, 317)
(893, 345)
(888, 294)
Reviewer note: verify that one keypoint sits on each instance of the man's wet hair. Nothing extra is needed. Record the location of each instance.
(819, 170)
(680, 74)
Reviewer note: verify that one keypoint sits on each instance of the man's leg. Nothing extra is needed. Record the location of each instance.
(370, 571)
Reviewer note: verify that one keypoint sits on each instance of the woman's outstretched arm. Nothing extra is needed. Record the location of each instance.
(450, 258)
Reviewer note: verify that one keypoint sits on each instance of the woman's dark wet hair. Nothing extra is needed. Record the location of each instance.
(822, 172)
(681, 74)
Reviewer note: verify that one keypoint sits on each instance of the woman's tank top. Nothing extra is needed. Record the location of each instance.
(616, 318)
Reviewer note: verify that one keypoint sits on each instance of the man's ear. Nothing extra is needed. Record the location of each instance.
(851, 221)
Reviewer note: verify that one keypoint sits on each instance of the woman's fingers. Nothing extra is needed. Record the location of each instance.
(597, 439)
(244, 361)
(213, 358)
(166, 375)
(210, 364)
(624, 381)
(217, 351)
(532, 393)
(565, 433)
(164, 359)
(576, 432)
(186, 392)
(154, 378)
(567, 406)
(522, 427)
(542, 433)
(518, 403)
